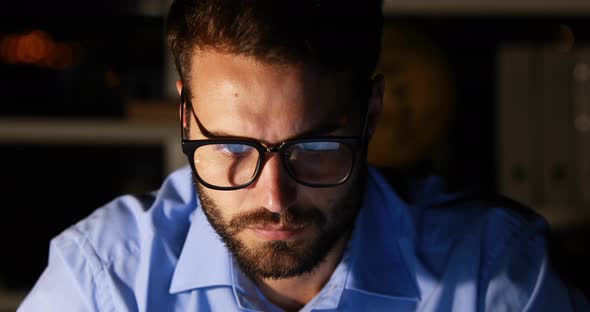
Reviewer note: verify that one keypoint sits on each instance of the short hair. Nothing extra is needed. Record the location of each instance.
(327, 35)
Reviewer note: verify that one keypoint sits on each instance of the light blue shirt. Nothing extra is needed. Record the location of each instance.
(430, 251)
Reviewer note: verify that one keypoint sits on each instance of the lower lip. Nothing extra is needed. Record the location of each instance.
(277, 235)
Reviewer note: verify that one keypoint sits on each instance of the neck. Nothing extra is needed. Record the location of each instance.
(293, 293)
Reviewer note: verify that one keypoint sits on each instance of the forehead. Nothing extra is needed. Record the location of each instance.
(242, 96)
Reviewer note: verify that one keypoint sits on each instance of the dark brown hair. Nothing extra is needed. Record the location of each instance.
(328, 35)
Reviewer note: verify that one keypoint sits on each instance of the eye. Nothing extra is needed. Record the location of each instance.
(234, 149)
(320, 146)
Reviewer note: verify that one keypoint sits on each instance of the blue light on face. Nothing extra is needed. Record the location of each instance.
(319, 146)
(234, 149)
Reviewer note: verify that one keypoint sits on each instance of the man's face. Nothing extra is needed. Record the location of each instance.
(275, 227)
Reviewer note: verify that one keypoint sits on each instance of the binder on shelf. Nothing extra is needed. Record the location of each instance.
(557, 129)
(516, 128)
(543, 125)
(581, 121)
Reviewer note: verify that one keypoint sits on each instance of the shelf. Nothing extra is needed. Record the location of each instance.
(96, 131)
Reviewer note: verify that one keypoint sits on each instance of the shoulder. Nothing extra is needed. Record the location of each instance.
(116, 230)
(445, 215)
(502, 242)
(110, 232)
(94, 264)
(429, 196)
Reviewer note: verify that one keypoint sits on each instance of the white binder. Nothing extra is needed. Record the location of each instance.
(515, 125)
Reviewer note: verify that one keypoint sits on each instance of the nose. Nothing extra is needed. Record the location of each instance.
(276, 189)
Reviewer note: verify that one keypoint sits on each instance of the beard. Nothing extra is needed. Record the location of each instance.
(281, 259)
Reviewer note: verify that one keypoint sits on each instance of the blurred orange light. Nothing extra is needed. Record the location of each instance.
(8, 49)
(33, 47)
(37, 48)
(4, 50)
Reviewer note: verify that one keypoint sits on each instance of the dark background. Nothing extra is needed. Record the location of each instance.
(120, 57)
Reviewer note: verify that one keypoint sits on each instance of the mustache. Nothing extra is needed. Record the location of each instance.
(289, 218)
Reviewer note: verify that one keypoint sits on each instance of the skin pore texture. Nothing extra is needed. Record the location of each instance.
(287, 237)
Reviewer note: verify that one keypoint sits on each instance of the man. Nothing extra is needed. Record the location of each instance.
(278, 104)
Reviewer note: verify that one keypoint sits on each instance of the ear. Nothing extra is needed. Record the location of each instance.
(375, 104)
(179, 87)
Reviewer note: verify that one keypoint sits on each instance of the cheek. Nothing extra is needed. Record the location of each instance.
(228, 203)
(327, 200)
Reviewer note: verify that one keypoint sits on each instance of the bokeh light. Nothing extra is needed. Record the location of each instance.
(38, 48)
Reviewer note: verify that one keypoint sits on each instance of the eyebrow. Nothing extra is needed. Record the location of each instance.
(316, 131)
(320, 130)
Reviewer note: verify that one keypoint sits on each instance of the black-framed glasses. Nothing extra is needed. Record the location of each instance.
(234, 163)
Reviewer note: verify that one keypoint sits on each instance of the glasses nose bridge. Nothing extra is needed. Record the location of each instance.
(273, 148)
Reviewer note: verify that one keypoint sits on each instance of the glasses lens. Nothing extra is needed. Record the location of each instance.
(226, 165)
(320, 162)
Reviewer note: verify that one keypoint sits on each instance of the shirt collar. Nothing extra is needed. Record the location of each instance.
(379, 263)
(204, 260)
(382, 259)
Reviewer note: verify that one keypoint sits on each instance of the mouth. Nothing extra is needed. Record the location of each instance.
(277, 232)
